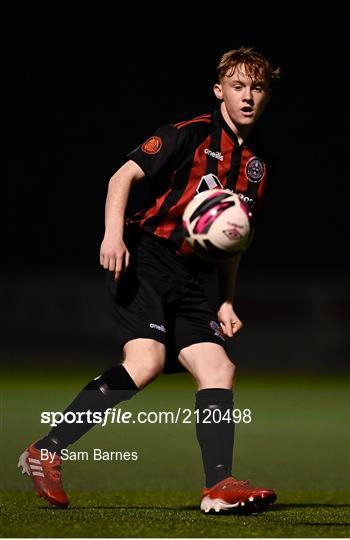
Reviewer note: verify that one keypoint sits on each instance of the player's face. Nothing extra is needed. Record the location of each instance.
(243, 99)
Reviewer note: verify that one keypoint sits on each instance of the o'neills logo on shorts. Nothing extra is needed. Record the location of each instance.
(217, 155)
(159, 327)
(152, 145)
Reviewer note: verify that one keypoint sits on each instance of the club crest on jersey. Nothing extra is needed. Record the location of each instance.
(152, 145)
(208, 181)
(255, 169)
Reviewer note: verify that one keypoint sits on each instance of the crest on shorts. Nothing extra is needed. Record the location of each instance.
(216, 329)
(255, 169)
(152, 145)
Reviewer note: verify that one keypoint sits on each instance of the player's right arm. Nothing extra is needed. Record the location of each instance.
(114, 255)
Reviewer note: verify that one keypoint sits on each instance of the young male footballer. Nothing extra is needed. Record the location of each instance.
(166, 302)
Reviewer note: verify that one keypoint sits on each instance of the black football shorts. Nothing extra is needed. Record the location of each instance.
(161, 296)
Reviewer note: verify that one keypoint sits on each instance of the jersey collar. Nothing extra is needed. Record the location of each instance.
(219, 120)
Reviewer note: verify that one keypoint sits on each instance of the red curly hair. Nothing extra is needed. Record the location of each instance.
(257, 67)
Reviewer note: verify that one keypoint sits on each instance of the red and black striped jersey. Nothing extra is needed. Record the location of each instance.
(181, 160)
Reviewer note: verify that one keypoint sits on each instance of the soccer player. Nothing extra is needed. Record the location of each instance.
(165, 301)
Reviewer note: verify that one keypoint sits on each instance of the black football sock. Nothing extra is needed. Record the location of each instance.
(110, 388)
(215, 432)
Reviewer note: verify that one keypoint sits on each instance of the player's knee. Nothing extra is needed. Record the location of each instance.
(230, 370)
(144, 361)
(209, 366)
(152, 366)
(218, 373)
(224, 371)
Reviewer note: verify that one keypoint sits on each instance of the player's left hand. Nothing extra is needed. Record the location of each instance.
(229, 322)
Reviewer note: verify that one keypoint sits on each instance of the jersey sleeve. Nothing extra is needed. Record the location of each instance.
(158, 151)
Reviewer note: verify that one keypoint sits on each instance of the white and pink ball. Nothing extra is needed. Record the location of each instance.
(217, 224)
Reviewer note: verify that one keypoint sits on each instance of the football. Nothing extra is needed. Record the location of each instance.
(217, 224)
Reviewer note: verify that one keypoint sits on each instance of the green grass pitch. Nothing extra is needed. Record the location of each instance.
(297, 443)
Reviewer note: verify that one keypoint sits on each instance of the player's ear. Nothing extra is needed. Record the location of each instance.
(218, 90)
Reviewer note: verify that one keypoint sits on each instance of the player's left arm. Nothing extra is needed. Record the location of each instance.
(227, 276)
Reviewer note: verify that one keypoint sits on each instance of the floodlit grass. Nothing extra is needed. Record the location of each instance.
(297, 443)
(173, 514)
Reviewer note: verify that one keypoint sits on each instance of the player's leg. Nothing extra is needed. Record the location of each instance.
(140, 334)
(201, 348)
(143, 361)
(152, 354)
(213, 371)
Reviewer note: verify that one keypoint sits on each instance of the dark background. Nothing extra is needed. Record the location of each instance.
(87, 85)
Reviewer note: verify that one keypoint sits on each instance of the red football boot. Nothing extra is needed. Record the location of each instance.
(46, 476)
(242, 495)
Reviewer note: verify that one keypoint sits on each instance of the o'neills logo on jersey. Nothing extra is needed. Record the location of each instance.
(217, 155)
(152, 145)
(255, 169)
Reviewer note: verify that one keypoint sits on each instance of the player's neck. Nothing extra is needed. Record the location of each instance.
(241, 132)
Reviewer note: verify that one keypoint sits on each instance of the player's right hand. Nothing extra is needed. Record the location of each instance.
(114, 256)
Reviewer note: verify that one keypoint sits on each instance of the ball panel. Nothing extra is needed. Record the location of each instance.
(210, 200)
(209, 216)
